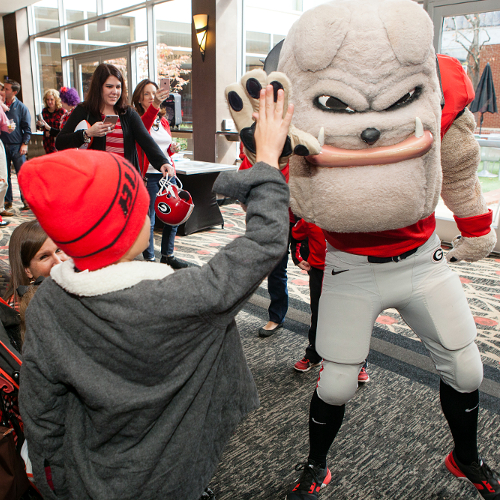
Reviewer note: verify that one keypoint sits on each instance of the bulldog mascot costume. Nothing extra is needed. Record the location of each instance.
(367, 165)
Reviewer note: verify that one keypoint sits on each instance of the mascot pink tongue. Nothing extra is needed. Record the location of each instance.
(413, 147)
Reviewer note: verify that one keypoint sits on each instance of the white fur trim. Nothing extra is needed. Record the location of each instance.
(108, 279)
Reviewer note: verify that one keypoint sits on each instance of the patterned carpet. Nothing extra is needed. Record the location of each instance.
(394, 438)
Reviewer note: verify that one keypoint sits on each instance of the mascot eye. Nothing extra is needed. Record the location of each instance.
(406, 99)
(329, 103)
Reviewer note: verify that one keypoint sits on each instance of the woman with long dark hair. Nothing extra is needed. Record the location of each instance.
(146, 100)
(107, 97)
(31, 254)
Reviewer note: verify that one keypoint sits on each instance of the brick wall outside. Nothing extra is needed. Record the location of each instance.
(491, 54)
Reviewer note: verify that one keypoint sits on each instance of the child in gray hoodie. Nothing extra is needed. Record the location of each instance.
(134, 377)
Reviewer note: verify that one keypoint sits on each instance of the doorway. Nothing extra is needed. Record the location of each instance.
(84, 65)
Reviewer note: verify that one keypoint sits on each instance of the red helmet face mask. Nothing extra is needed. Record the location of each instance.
(173, 205)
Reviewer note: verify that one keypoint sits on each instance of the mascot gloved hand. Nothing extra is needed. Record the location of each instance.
(243, 100)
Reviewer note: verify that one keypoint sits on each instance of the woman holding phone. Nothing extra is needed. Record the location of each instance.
(146, 100)
(110, 124)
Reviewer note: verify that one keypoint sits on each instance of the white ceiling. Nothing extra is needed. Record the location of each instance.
(8, 6)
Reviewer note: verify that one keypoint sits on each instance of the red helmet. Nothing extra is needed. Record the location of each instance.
(173, 205)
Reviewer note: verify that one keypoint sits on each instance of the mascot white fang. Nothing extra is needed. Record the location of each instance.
(368, 169)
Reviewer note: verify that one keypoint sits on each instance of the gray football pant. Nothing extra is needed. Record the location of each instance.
(427, 294)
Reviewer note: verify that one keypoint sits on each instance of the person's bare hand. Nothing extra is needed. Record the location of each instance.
(303, 264)
(272, 128)
(23, 149)
(160, 96)
(166, 168)
(99, 129)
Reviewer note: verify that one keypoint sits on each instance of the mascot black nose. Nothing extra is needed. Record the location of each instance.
(370, 135)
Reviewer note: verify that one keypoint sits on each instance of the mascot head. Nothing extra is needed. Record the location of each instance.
(364, 74)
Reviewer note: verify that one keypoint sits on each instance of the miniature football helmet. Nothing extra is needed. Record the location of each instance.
(173, 205)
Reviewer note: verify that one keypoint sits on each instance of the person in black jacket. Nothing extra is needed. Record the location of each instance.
(107, 96)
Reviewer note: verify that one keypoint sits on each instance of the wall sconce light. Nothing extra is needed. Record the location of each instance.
(201, 27)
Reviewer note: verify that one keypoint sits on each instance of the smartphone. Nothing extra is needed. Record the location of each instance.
(112, 119)
(165, 84)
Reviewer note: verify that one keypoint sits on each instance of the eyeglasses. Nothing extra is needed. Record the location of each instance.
(156, 125)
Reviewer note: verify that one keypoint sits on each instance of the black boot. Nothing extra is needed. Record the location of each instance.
(174, 263)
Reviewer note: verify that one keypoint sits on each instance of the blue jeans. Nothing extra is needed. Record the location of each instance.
(278, 291)
(169, 232)
(12, 154)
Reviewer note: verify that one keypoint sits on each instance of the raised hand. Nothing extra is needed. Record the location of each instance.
(272, 124)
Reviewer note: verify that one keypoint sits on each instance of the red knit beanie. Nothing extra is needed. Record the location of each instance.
(91, 203)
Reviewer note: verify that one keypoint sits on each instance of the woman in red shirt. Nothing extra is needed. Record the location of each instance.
(146, 100)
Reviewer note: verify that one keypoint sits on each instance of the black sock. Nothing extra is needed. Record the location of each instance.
(324, 424)
(461, 410)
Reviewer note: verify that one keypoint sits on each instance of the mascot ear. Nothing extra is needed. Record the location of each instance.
(409, 29)
(317, 36)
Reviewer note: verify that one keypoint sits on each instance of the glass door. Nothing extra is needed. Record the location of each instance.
(85, 65)
(85, 72)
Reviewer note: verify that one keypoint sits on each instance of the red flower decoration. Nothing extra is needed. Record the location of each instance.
(63, 89)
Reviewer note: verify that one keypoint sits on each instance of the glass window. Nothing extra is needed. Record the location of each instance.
(141, 56)
(277, 39)
(112, 5)
(123, 29)
(46, 15)
(278, 4)
(474, 39)
(71, 82)
(259, 43)
(254, 62)
(86, 70)
(76, 10)
(266, 26)
(173, 52)
(49, 63)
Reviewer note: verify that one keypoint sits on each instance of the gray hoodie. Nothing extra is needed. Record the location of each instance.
(134, 377)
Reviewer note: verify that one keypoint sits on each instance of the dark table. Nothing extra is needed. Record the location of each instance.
(198, 178)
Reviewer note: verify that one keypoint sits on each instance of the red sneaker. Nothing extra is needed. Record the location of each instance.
(363, 376)
(486, 481)
(304, 365)
(311, 481)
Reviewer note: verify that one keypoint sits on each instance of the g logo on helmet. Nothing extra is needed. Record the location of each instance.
(173, 205)
(163, 208)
